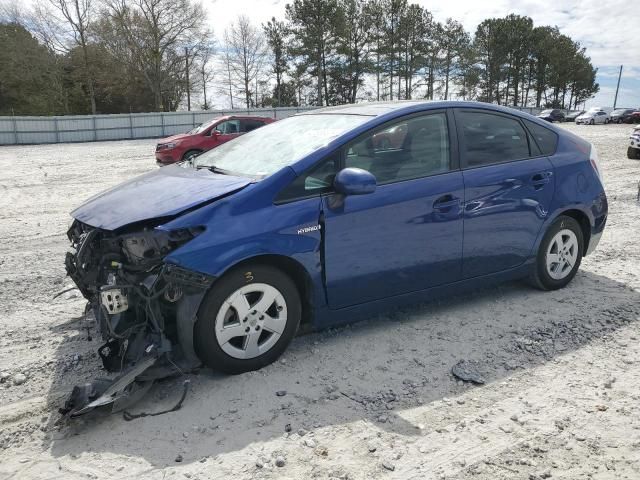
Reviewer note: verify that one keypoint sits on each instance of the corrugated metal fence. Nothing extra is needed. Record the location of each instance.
(91, 128)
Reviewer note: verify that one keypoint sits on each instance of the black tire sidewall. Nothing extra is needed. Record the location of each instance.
(544, 279)
(189, 153)
(205, 342)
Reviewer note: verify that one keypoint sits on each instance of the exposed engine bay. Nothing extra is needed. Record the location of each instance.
(144, 309)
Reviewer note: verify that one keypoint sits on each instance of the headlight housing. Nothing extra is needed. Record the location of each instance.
(167, 146)
(150, 246)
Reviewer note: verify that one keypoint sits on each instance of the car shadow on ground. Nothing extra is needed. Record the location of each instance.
(368, 371)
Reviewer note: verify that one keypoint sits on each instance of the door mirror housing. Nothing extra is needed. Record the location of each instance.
(354, 181)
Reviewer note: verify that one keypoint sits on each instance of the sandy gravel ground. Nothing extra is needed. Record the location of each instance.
(373, 400)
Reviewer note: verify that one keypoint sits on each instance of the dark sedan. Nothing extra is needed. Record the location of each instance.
(572, 115)
(622, 115)
(554, 115)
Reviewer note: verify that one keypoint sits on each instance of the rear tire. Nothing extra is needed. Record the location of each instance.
(247, 319)
(592, 122)
(633, 153)
(559, 255)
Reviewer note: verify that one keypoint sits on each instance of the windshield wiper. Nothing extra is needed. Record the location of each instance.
(211, 168)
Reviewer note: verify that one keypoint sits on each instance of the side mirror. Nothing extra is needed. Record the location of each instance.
(354, 181)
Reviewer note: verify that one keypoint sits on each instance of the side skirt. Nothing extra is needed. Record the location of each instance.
(326, 317)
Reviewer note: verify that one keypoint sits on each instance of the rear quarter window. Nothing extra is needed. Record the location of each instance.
(546, 140)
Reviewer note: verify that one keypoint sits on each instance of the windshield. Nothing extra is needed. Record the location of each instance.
(270, 148)
(546, 112)
(619, 111)
(202, 127)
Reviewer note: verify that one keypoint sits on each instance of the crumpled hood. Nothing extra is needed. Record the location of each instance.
(163, 192)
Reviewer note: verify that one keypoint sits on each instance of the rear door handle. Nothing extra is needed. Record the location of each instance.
(540, 179)
(445, 203)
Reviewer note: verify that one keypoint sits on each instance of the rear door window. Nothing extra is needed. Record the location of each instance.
(487, 138)
(250, 124)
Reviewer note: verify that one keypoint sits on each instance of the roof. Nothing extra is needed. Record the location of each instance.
(369, 108)
(375, 109)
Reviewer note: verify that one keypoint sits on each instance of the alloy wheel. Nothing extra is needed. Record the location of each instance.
(562, 254)
(251, 320)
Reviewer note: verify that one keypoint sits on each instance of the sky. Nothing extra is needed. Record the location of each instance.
(604, 27)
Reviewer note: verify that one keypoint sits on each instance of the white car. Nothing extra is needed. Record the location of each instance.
(592, 117)
(633, 151)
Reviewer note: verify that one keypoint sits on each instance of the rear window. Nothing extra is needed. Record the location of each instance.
(546, 140)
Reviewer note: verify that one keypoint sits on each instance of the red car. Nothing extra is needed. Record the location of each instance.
(205, 137)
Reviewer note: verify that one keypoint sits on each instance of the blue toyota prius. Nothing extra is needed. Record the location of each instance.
(325, 217)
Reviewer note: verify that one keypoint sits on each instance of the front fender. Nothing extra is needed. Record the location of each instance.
(290, 230)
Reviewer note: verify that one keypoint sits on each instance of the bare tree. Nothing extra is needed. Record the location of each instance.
(205, 71)
(245, 54)
(155, 31)
(225, 86)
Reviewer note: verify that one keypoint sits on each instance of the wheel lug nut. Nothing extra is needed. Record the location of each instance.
(279, 308)
(257, 327)
(244, 319)
(247, 329)
(261, 317)
(254, 312)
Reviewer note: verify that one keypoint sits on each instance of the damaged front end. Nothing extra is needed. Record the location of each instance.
(144, 308)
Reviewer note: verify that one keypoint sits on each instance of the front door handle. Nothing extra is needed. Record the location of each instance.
(445, 203)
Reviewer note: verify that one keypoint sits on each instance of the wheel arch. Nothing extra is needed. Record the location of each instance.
(197, 150)
(584, 222)
(291, 267)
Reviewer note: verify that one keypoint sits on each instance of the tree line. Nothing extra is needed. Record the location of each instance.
(114, 56)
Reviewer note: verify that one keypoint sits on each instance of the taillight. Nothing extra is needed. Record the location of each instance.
(593, 158)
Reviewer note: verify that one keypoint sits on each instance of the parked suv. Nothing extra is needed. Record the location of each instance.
(554, 115)
(622, 115)
(218, 260)
(205, 137)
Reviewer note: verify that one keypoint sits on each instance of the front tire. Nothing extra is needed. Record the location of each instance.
(633, 153)
(247, 319)
(190, 155)
(559, 255)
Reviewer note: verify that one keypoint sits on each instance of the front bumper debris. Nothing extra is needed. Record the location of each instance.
(144, 311)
